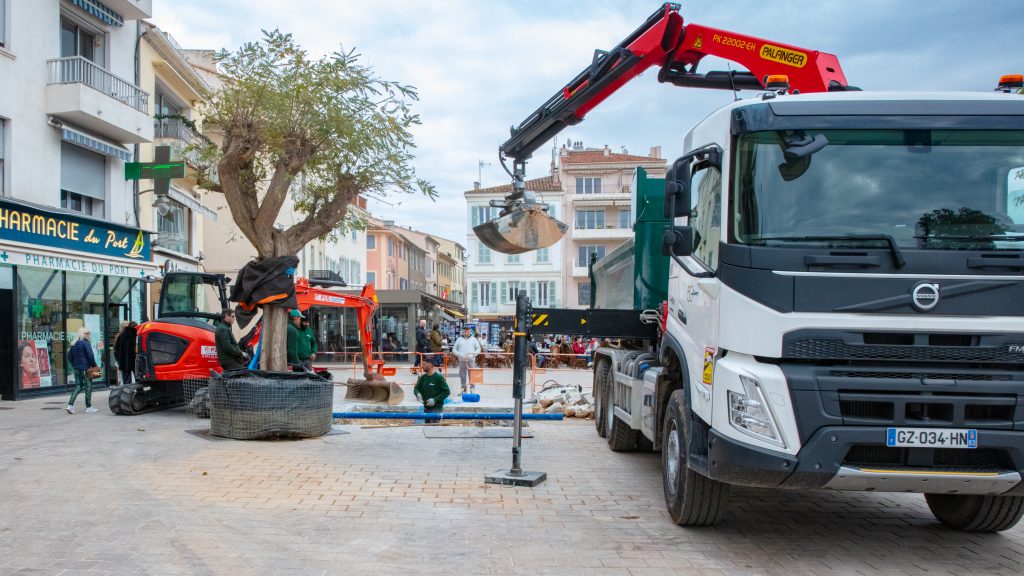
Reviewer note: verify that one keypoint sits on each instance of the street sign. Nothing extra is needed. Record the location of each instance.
(154, 170)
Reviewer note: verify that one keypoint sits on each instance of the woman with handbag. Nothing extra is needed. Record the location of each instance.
(84, 363)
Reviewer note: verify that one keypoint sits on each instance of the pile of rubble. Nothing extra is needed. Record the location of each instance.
(567, 400)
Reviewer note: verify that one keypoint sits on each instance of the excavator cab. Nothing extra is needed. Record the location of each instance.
(193, 295)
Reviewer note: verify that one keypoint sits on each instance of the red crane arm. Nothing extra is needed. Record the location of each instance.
(663, 40)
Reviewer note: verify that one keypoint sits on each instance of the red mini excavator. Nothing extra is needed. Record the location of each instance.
(179, 344)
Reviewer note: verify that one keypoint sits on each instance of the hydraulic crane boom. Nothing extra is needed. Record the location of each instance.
(663, 40)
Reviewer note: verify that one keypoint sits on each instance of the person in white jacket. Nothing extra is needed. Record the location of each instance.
(465, 349)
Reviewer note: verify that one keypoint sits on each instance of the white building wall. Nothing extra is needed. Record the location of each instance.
(32, 147)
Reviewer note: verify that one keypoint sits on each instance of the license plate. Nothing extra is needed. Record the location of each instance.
(931, 438)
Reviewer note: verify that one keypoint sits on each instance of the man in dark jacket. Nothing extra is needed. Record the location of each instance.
(295, 318)
(229, 354)
(422, 342)
(124, 351)
(81, 359)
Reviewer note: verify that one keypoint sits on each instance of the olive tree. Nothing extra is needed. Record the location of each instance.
(282, 113)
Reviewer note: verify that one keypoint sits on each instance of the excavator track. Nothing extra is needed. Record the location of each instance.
(130, 400)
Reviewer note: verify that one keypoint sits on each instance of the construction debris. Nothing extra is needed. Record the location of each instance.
(567, 400)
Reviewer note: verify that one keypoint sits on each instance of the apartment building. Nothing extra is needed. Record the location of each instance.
(597, 195)
(177, 214)
(72, 252)
(451, 270)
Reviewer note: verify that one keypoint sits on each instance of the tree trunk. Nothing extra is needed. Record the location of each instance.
(274, 353)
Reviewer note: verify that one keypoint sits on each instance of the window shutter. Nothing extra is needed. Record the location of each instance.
(533, 292)
(476, 215)
(552, 296)
(494, 289)
(504, 293)
(475, 298)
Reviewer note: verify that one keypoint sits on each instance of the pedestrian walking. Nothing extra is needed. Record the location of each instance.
(124, 351)
(306, 347)
(431, 389)
(83, 362)
(466, 348)
(229, 353)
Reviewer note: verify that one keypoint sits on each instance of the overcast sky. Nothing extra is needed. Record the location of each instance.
(482, 66)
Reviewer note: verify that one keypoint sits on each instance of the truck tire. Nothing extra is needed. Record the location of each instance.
(691, 499)
(601, 374)
(976, 513)
(621, 438)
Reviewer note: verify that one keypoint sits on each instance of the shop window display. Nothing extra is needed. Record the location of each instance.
(41, 343)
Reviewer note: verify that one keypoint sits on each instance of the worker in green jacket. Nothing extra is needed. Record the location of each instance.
(293, 337)
(306, 346)
(229, 353)
(431, 389)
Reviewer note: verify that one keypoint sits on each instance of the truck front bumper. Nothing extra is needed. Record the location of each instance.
(824, 462)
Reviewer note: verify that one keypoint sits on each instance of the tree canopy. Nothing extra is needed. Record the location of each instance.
(330, 119)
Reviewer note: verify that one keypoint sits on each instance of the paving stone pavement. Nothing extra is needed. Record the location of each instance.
(99, 494)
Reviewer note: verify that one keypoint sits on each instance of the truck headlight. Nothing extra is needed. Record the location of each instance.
(749, 413)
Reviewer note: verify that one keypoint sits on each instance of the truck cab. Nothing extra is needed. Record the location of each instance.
(844, 304)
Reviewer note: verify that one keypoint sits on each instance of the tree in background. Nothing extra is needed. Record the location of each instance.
(282, 114)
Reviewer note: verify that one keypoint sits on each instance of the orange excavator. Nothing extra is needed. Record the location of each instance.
(179, 344)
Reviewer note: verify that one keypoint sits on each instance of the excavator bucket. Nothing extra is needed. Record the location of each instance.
(525, 229)
(374, 391)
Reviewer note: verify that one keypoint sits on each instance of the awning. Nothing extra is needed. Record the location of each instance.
(95, 144)
(100, 12)
(454, 313)
(191, 203)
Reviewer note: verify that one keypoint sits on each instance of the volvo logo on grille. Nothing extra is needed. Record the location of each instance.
(925, 296)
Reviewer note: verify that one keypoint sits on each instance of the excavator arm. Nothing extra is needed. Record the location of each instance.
(677, 48)
(365, 305)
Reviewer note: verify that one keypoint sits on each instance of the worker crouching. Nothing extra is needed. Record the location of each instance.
(431, 389)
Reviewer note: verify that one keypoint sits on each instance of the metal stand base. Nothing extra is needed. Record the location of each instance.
(525, 478)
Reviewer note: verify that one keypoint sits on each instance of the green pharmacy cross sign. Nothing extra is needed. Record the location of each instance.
(154, 170)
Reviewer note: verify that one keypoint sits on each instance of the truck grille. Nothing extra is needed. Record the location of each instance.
(976, 377)
(934, 350)
(978, 459)
(927, 409)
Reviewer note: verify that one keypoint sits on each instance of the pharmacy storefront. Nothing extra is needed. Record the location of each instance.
(60, 272)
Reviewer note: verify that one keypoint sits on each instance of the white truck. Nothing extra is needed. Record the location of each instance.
(843, 278)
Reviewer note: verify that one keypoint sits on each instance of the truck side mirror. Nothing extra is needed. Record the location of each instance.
(677, 179)
(677, 241)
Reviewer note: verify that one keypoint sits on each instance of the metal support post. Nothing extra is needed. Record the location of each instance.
(516, 476)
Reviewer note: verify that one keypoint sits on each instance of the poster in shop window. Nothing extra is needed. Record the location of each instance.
(93, 323)
(28, 365)
(43, 357)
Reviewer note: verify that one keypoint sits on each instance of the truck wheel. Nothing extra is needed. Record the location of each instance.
(692, 499)
(976, 513)
(601, 374)
(200, 404)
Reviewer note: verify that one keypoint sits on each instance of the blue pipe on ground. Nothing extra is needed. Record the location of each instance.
(445, 415)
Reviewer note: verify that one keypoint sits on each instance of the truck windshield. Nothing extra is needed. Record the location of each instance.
(927, 189)
(188, 295)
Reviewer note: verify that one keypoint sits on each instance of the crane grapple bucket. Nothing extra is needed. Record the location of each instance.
(374, 391)
(525, 229)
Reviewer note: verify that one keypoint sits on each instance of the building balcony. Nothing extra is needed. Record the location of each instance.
(131, 9)
(89, 96)
(607, 233)
(580, 269)
(602, 199)
(186, 144)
